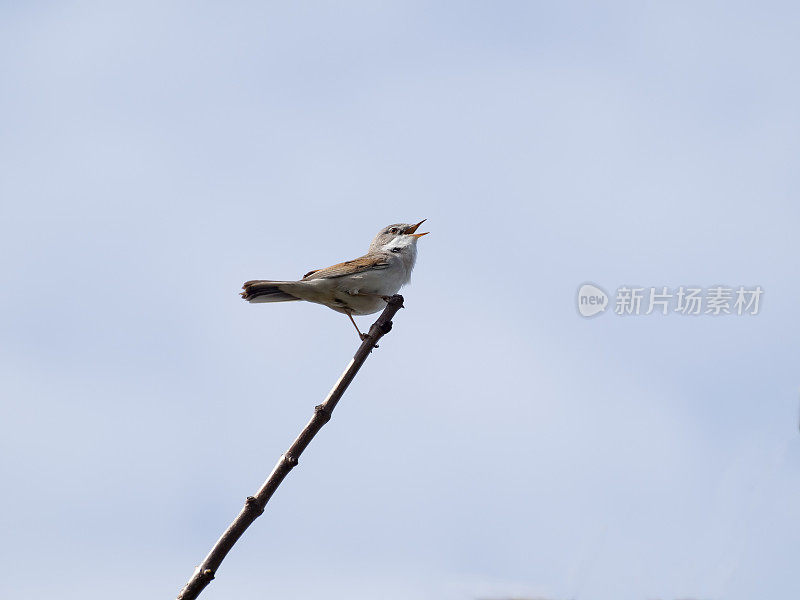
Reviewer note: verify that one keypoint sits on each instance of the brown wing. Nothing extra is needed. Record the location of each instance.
(349, 267)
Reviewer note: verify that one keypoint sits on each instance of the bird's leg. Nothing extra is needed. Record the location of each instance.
(363, 336)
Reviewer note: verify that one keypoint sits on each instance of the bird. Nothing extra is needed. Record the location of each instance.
(360, 286)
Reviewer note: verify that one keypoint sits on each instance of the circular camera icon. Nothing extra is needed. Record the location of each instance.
(592, 300)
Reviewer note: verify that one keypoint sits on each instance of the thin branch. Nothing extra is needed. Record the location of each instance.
(254, 505)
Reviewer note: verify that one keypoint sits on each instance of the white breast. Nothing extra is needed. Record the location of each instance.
(383, 282)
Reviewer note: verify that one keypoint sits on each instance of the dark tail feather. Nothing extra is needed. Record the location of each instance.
(265, 291)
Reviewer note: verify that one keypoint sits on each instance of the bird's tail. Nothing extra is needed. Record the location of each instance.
(266, 291)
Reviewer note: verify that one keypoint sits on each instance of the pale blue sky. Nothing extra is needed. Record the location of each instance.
(155, 155)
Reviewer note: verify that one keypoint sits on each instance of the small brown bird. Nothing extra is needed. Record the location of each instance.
(354, 287)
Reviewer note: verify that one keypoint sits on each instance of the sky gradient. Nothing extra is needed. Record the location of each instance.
(156, 155)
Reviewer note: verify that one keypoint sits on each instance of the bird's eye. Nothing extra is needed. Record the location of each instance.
(395, 249)
(393, 230)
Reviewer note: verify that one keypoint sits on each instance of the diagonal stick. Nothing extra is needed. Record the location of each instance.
(254, 505)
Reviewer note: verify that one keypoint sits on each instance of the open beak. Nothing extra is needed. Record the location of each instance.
(410, 231)
(413, 228)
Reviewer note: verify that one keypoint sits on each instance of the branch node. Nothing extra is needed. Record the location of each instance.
(323, 412)
(385, 327)
(253, 503)
(291, 459)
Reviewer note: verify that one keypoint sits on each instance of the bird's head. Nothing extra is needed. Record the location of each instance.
(390, 232)
(403, 247)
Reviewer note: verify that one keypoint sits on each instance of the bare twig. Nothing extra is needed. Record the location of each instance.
(254, 505)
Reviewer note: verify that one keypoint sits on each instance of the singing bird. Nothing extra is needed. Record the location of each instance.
(355, 287)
